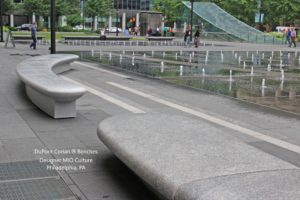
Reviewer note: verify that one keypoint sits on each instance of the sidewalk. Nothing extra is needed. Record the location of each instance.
(27, 135)
(26, 131)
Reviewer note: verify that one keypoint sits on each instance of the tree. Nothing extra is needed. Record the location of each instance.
(67, 7)
(74, 20)
(243, 10)
(7, 5)
(169, 8)
(38, 7)
(284, 12)
(101, 8)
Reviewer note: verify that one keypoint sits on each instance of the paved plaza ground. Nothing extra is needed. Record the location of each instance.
(25, 130)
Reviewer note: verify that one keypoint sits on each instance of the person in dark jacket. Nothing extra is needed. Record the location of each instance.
(197, 38)
(33, 36)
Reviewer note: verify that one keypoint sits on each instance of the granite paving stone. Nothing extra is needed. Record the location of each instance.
(23, 128)
(22, 149)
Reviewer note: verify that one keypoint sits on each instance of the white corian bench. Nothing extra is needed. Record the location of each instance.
(52, 94)
(185, 159)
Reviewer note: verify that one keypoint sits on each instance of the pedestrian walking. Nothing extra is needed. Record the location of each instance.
(293, 37)
(288, 37)
(197, 38)
(33, 35)
(126, 32)
(136, 30)
(187, 38)
(149, 32)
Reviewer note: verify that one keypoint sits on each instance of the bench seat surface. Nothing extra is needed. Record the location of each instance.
(37, 72)
(182, 158)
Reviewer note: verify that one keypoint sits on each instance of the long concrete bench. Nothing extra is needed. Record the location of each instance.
(52, 94)
(185, 159)
(110, 38)
(160, 38)
(26, 38)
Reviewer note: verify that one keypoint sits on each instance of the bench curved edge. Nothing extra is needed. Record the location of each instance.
(177, 156)
(52, 94)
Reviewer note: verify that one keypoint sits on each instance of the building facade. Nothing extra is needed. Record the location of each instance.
(126, 14)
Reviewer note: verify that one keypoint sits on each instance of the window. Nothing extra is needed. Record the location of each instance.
(125, 4)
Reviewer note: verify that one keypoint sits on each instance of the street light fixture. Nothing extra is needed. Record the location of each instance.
(53, 27)
(117, 20)
(259, 11)
(192, 11)
(1, 21)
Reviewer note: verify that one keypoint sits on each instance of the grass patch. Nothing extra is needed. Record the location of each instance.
(59, 35)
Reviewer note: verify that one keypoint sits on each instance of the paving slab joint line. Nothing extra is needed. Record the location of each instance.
(77, 192)
(106, 97)
(30, 179)
(100, 69)
(215, 120)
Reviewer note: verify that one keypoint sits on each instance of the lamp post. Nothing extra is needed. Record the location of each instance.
(53, 27)
(82, 14)
(192, 11)
(117, 20)
(1, 21)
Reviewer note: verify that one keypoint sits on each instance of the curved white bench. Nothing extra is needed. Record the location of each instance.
(52, 94)
(185, 159)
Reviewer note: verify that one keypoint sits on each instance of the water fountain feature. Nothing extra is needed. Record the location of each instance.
(162, 67)
(243, 84)
(181, 70)
(222, 57)
(263, 86)
(230, 75)
(282, 74)
(269, 68)
(281, 64)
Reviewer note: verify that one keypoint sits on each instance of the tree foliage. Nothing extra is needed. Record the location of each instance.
(243, 10)
(98, 8)
(276, 12)
(284, 12)
(170, 9)
(39, 7)
(42, 7)
(74, 20)
(7, 5)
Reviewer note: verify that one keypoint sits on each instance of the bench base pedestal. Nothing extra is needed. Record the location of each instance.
(56, 109)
